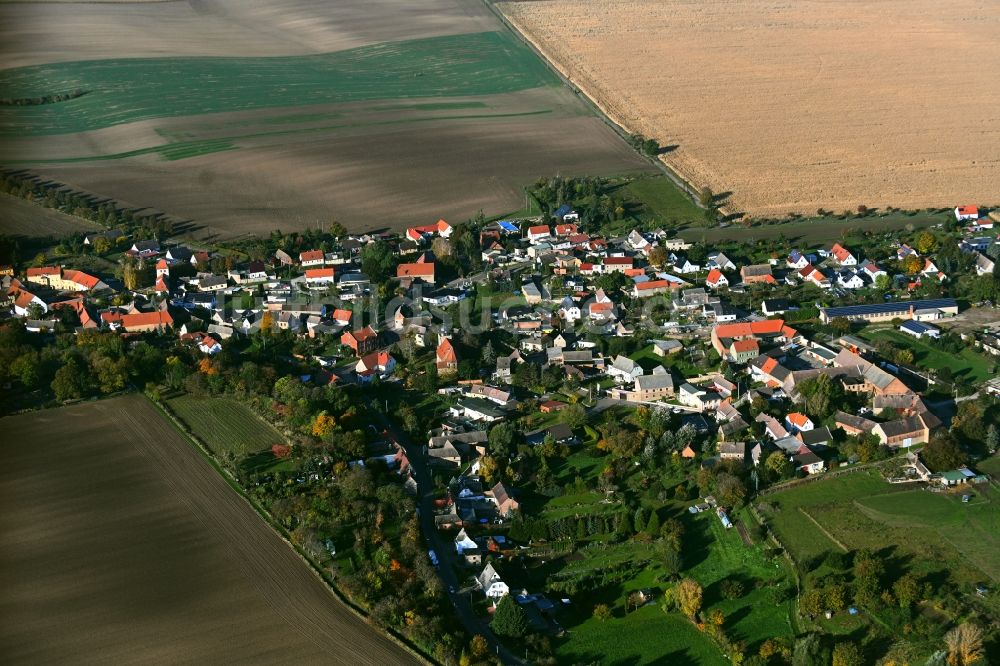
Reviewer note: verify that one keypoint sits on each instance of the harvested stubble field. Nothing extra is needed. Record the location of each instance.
(796, 105)
(123, 545)
(375, 114)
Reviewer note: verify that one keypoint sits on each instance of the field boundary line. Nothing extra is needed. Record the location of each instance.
(678, 179)
(823, 530)
(269, 520)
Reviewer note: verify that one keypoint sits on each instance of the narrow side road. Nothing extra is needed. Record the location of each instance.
(444, 548)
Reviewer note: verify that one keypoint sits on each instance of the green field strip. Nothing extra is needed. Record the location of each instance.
(185, 149)
(134, 89)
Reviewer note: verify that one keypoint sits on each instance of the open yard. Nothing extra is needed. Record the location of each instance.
(225, 425)
(969, 365)
(797, 105)
(122, 544)
(934, 534)
(711, 554)
(373, 114)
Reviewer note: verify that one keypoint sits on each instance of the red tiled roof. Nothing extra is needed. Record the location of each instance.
(342, 315)
(539, 230)
(317, 273)
(311, 255)
(446, 352)
(364, 333)
(44, 271)
(83, 279)
(142, 319)
(797, 419)
(618, 261)
(745, 345)
(742, 330)
(714, 276)
(651, 284)
(418, 269)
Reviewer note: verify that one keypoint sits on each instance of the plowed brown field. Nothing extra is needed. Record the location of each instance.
(121, 544)
(798, 104)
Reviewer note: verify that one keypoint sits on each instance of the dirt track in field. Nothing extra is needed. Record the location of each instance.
(796, 105)
(121, 544)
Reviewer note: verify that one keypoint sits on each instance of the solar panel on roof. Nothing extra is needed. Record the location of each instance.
(899, 306)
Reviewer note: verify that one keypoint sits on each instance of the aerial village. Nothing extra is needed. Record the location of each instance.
(699, 338)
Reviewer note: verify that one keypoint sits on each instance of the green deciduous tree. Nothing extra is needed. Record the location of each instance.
(509, 619)
(943, 453)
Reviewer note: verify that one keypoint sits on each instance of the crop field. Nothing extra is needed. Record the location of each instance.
(936, 533)
(23, 218)
(373, 114)
(797, 105)
(123, 545)
(225, 425)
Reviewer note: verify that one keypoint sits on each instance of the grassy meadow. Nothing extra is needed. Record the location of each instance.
(225, 425)
(935, 535)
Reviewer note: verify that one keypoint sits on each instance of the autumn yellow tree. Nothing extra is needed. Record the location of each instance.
(322, 425)
(266, 322)
(688, 594)
(965, 644)
(488, 468)
(478, 647)
(208, 367)
(926, 243)
(912, 264)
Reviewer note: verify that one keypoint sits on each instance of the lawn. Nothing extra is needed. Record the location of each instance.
(645, 636)
(968, 364)
(225, 425)
(473, 64)
(813, 232)
(711, 554)
(930, 534)
(662, 202)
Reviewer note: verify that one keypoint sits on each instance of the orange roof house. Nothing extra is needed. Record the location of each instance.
(319, 275)
(363, 341)
(842, 254)
(716, 279)
(769, 328)
(418, 234)
(447, 359)
(312, 258)
(419, 270)
(139, 322)
(540, 231)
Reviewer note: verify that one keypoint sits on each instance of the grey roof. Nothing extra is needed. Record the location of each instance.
(625, 364)
(732, 448)
(488, 576)
(858, 422)
(816, 436)
(654, 381)
(902, 426)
